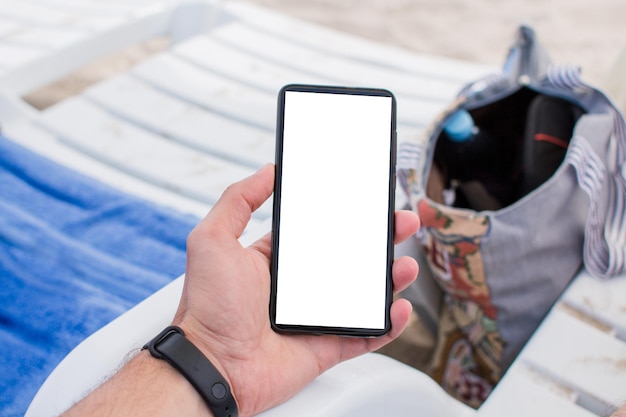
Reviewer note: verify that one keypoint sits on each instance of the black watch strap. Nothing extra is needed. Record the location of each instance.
(172, 346)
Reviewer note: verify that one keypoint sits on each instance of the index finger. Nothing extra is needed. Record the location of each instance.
(407, 224)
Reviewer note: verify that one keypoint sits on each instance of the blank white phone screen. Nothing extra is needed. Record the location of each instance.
(334, 209)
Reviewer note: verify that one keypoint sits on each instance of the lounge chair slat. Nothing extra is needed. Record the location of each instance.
(346, 71)
(580, 357)
(601, 300)
(530, 388)
(212, 92)
(192, 126)
(46, 144)
(312, 35)
(141, 153)
(261, 71)
(232, 98)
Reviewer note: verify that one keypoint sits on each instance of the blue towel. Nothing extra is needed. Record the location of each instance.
(74, 255)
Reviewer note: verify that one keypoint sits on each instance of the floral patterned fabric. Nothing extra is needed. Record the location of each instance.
(469, 346)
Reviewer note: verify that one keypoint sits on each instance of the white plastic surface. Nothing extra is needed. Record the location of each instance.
(372, 385)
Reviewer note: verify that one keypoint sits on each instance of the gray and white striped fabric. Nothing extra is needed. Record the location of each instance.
(605, 231)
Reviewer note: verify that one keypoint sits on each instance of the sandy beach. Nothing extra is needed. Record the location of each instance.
(589, 34)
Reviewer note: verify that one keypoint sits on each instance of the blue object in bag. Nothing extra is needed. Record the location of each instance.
(460, 126)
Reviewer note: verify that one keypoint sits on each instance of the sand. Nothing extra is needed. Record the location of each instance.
(580, 32)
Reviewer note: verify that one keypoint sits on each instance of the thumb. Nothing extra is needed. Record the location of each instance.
(233, 210)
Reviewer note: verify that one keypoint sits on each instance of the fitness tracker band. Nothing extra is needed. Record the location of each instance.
(172, 346)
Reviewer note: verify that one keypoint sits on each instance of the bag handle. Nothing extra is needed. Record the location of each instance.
(604, 251)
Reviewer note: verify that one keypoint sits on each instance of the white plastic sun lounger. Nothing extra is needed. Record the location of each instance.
(181, 126)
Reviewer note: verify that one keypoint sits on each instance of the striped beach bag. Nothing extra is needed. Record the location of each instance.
(519, 184)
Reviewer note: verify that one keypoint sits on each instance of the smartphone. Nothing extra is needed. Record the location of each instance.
(333, 218)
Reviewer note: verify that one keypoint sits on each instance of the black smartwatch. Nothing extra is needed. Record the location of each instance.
(172, 346)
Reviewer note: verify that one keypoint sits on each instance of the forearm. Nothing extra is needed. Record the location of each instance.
(144, 386)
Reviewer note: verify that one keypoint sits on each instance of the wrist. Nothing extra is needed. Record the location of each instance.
(144, 386)
(170, 388)
(190, 362)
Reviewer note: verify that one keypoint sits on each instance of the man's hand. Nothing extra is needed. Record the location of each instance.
(224, 306)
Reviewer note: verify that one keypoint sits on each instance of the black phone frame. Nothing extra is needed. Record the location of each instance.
(325, 330)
